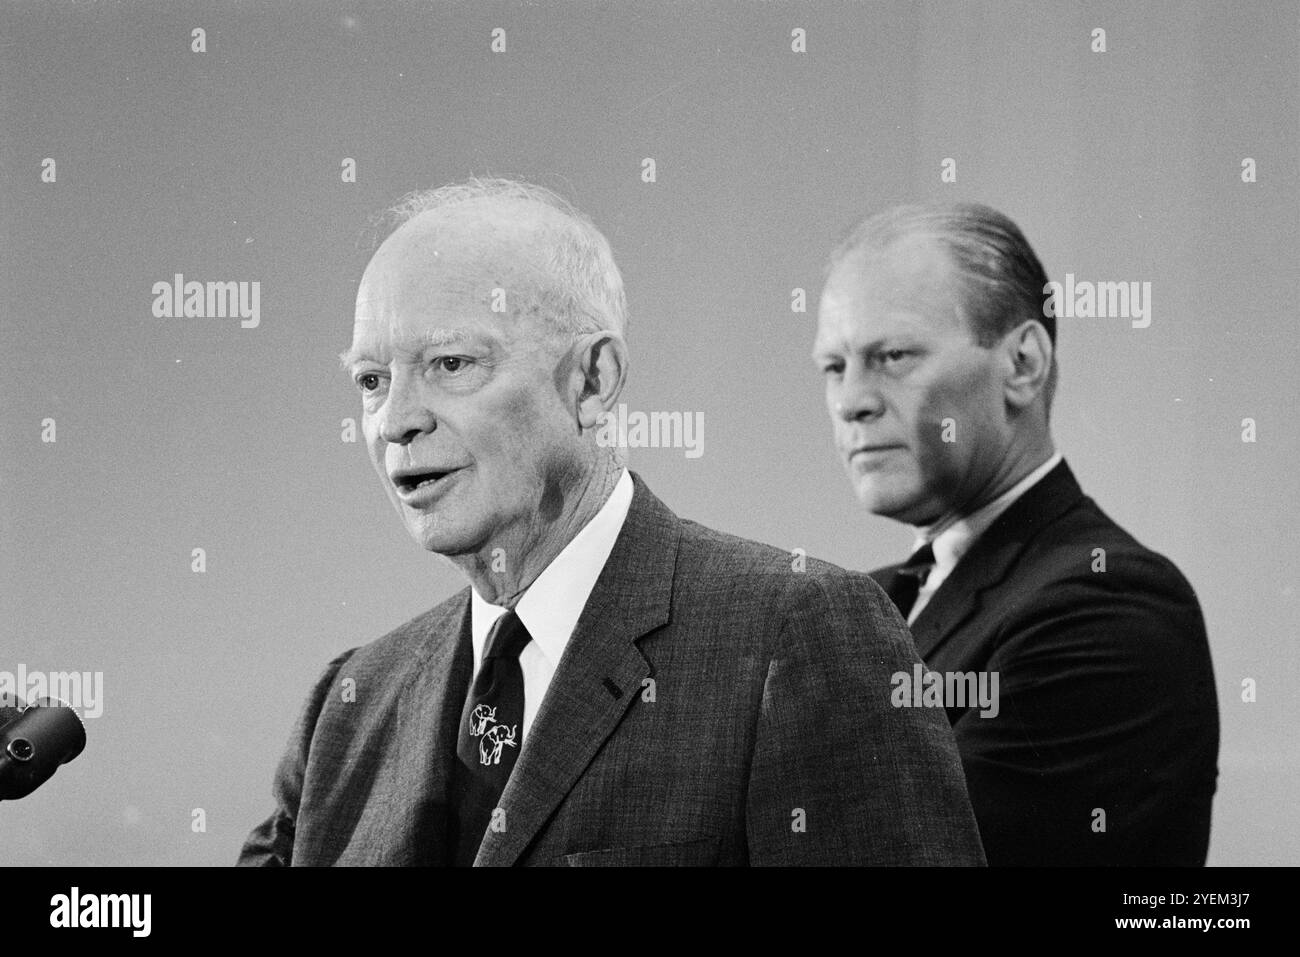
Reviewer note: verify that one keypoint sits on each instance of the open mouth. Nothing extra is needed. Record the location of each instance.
(409, 482)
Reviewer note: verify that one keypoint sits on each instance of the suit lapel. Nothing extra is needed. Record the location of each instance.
(455, 660)
(598, 676)
(427, 704)
(991, 557)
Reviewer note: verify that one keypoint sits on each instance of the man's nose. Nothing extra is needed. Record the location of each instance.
(856, 397)
(406, 413)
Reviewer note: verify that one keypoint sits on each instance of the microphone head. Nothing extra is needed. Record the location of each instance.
(46, 734)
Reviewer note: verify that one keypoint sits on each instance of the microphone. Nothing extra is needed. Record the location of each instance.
(42, 736)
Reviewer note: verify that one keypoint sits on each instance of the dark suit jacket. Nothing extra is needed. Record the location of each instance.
(713, 706)
(1107, 697)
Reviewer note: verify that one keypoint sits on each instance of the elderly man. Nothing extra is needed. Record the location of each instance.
(938, 353)
(616, 686)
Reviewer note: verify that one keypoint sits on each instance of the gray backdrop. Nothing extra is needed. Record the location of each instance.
(176, 434)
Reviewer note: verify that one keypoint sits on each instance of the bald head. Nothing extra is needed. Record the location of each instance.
(554, 264)
(492, 253)
(486, 351)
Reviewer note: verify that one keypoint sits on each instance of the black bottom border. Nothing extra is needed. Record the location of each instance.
(334, 906)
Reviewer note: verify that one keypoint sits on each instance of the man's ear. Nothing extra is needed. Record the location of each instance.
(602, 368)
(1029, 350)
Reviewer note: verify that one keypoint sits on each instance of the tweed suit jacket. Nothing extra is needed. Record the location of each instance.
(717, 703)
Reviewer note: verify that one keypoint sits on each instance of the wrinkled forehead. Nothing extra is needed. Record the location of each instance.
(449, 259)
(911, 282)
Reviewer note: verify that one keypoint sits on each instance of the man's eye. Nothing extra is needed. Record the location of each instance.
(894, 355)
(368, 382)
(451, 363)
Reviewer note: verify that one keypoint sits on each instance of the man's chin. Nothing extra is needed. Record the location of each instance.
(441, 538)
(894, 503)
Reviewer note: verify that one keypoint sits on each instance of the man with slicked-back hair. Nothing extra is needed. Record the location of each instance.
(1097, 740)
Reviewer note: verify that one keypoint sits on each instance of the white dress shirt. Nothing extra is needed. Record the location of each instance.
(953, 540)
(551, 605)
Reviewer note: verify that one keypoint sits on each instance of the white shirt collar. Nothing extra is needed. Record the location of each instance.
(953, 541)
(551, 605)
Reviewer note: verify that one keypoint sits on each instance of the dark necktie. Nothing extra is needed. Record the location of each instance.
(909, 578)
(490, 734)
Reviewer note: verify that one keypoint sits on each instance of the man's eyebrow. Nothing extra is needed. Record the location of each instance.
(829, 348)
(350, 357)
(840, 348)
(429, 339)
(434, 339)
